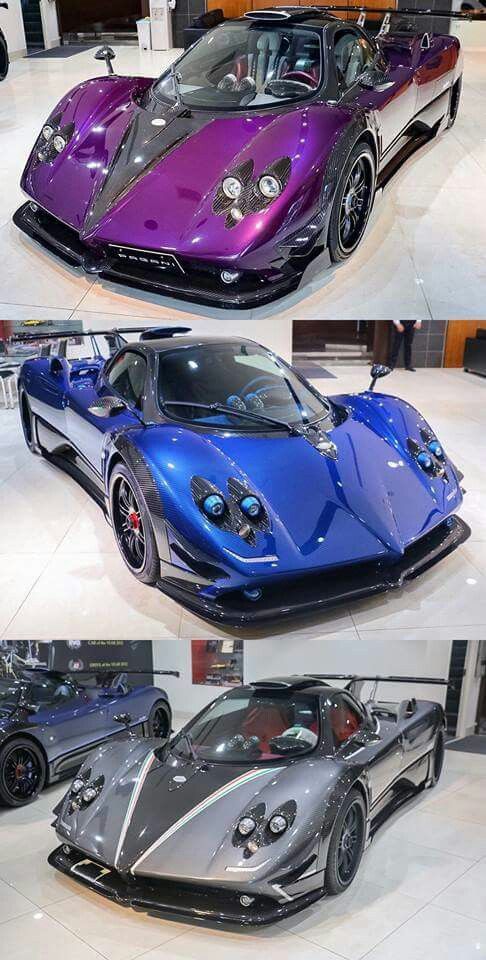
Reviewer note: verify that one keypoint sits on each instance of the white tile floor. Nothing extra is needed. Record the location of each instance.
(424, 255)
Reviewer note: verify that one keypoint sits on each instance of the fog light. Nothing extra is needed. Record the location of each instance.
(66, 849)
(33, 207)
(236, 213)
(253, 593)
(246, 901)
(229, 276)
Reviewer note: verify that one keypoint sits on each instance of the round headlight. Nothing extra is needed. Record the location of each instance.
(277, 824)
(232, 187)
(269, 186)
(89, 794)
(214, 505)
(246, 826)
(435, 448)
(47, 132)
(77, 785)
(59, 143)
(251, 507)
(425, 461)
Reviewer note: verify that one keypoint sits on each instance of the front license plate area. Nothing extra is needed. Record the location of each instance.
(90, 870)
(150, 259)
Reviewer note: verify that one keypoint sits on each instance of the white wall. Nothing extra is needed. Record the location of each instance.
(411, 653)
(12, 25)
(50, 25)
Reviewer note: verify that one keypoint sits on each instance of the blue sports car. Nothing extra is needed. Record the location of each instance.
(50, 721)
(232, 483)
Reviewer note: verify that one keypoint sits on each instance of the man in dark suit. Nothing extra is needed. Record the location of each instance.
(403, 332)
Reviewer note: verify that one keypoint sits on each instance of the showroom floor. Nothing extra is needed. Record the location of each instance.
(423, 255)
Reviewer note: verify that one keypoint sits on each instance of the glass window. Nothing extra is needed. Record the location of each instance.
(50, 692)
(127, 377)
(239, 375)
(344, 718)
(252, 727)
(9, 695)
(353, 55)
(245, 64)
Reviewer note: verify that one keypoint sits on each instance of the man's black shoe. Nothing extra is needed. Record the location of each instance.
(411, 369)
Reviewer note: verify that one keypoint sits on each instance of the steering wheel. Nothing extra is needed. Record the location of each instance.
(282, 87)
(300, 76)
(264, 382)
(284, 744)
(228, 82)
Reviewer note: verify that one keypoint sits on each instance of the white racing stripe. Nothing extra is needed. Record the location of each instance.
(147, 763)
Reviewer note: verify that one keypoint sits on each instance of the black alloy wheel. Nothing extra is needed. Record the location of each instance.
(353, 202)
(4, 61)
(346, 844)
(128, 523)
(27, 421)
(454, 103)
(437, 758)
(22, 772)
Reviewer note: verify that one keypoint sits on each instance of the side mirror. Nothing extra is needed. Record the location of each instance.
(378, 370)
(374, 79)
(124, 718)
(30, 707)
(107, 407)
(107, 54)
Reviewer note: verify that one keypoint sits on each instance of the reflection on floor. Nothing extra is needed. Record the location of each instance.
(421, 893)
(424, 254)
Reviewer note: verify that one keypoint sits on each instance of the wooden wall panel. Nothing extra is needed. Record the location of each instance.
(236, 8)
(457, 331)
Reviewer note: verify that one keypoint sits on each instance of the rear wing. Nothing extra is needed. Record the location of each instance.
(107, 678)
(355, 683)
(116, 337)
(404, 14)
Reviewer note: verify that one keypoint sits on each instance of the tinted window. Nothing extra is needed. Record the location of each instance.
(9, 694)
(353, 54)
(344, 718)
(253, 727)
(50, 692)
(127, 377)
(239, 375)
(245, 64)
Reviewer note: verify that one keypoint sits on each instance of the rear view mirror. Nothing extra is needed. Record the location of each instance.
(378, 370)
(124, 718)
(107, 406)
(107, 54)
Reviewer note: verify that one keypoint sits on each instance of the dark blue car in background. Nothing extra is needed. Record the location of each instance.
(50, 722)
(231, 482)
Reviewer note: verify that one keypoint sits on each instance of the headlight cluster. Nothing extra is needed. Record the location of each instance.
(242, 192)
(257, 828)
(238, 511)
(53, 139)
(430, 457)
(84, 790)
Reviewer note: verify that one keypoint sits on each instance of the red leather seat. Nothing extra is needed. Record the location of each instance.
(265, 723)
(343, 723)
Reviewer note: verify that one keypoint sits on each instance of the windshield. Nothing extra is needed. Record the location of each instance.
(9, 695)
(252, 727)
(239, 375)
(244, 64)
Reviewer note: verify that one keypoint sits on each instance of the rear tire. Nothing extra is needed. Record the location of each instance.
(346, 845)
(132, 526)
(22, 772)
(437, 759)
(353, 202)
(4, 61)
(454, 102)
(160, 720)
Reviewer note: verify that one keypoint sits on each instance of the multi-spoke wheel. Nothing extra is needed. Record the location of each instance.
(22, 772)
(352, 203)
(159, 721)
(132, 525)
(437, 759)
(346, 844)
(3, 57)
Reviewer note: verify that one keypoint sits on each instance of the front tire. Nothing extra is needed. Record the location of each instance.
(22, 772)
(27, 420)
(160, 720)
(437, 759)
(347, 844)
(454, 103)
(4, 61)
(353, 202)
(132, 526)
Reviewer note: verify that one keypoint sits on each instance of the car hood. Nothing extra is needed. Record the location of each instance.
(124, 180)
(371, 502)
(162, 815)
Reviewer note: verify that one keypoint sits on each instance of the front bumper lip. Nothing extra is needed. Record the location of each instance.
(317, 591)
(196, 902)
(196, 285)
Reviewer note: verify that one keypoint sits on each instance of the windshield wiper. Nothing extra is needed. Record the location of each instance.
(186, 737)
(246, 414)
(175, 80)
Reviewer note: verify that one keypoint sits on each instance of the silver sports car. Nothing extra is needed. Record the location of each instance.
(261, 804)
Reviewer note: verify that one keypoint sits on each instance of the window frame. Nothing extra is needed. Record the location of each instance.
(111, 364)
(360, 35)
(358, 708)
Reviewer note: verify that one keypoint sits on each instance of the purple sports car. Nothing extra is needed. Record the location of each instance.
(262, 145)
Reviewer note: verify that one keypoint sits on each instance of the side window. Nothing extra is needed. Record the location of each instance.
(344, 717)
(49, 693)
(127, 377)
(353, 54)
